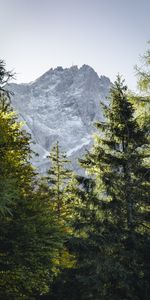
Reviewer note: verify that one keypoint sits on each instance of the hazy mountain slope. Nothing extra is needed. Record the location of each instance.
(61, 105)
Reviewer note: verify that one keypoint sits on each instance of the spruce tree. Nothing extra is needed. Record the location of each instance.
(119, 164)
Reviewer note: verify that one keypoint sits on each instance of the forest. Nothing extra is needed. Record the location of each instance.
(64, 236)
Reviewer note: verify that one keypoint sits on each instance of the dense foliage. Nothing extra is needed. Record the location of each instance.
(118, 162)
(71, 237)
(29, 233)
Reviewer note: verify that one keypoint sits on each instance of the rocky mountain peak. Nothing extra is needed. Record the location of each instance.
(62, 104)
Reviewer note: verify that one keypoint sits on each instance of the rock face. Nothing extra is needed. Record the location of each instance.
(61, 105)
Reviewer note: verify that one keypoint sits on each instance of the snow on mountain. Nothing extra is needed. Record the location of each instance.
(61, 105)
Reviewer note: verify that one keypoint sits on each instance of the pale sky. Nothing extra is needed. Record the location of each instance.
(108, 35)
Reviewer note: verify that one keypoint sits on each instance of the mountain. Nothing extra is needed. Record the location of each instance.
(61, 105)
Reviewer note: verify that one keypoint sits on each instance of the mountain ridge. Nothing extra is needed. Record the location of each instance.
(62, 105)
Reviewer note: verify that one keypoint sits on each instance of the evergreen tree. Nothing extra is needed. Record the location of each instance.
(81, 281)
(29, 233)
(59, 180)
(76, 283)
(30, 239)
(142, 101)
(143, 72)
(58, 177)
(5, 194)
(119, 164)
(15, 170)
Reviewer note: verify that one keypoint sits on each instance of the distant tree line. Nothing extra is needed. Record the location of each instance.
(69, 237)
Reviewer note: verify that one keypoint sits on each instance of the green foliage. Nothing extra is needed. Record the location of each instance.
(58, 177)
(30, 236)
(113, 255)
(58, 187)
(73, 237)
(143, 72)
(15, 169)
(142, 101)
(4, 75)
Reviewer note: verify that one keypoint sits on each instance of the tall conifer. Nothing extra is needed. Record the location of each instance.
(29, 233)
(119, 164)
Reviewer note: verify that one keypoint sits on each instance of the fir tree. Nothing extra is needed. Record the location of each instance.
(119, 163)
(59, 180)
(58, 177)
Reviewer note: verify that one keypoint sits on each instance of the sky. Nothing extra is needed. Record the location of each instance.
(108, 35)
